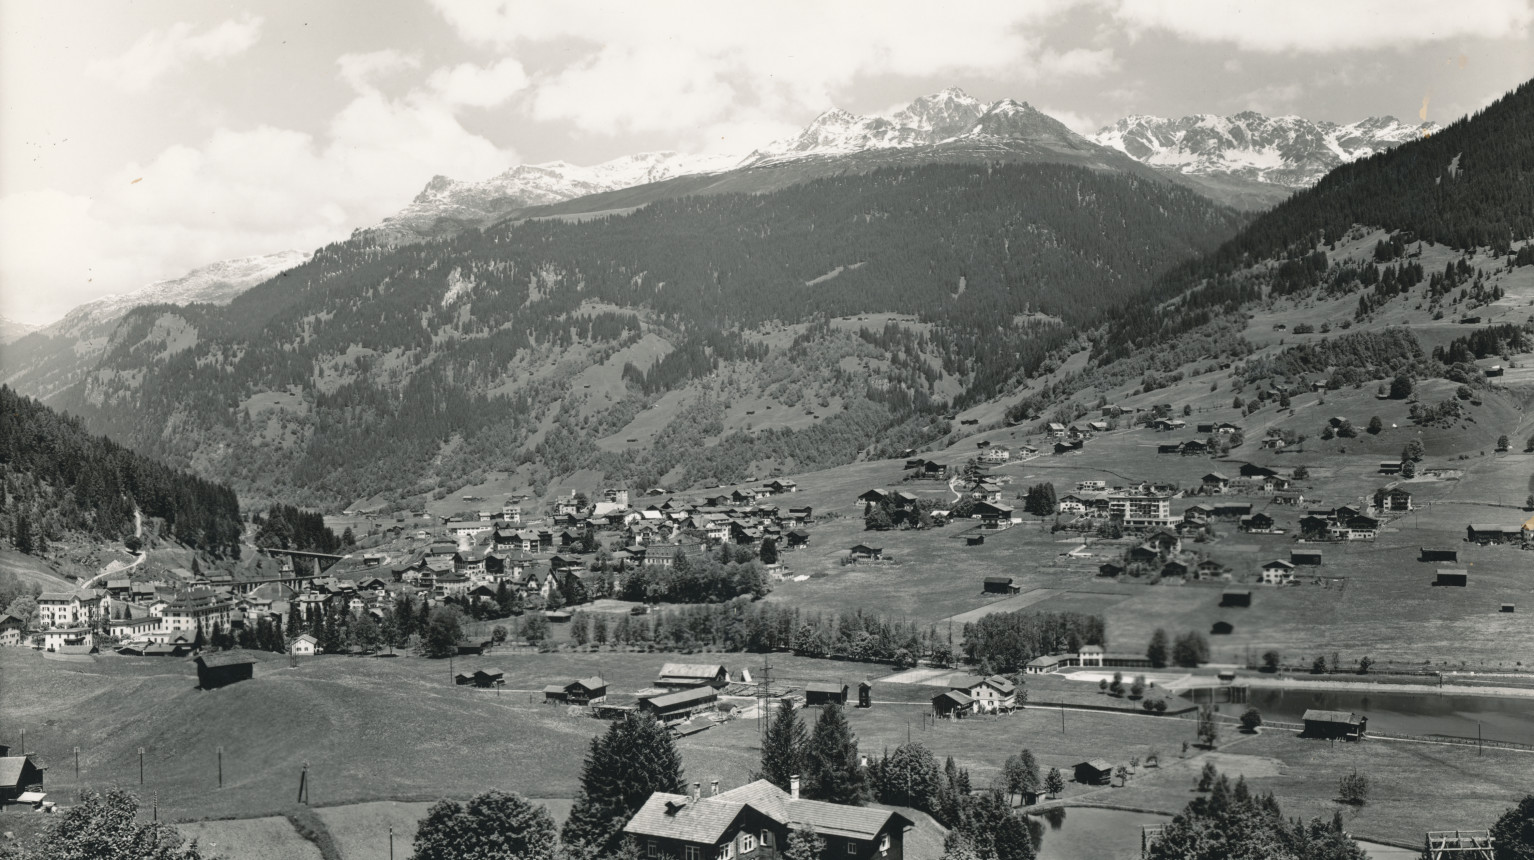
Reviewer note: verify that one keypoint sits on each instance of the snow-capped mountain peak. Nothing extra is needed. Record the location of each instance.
(1285, 150)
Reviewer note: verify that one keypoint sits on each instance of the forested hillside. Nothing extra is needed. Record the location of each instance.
(373, 368)
(1468, 186)
(56, 480)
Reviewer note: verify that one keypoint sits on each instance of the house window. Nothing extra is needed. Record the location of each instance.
(726, 851)
(747, 843)
(691, 852)
(852, 847)
(767, 838)
(654, 848)
(884, 843)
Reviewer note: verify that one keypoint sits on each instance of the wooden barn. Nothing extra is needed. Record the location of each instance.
(491, 677)
(681, 705)
(954, 703)
(1450, 576)
(223, 668)
(1222, 628)
(581, 691)
(1310, 557)
(1001, 585)
(1438, 553)
(687, 675)
(1236, 597)
(1094, 772)
(1334, 724)
(825, 693)
(18, 773)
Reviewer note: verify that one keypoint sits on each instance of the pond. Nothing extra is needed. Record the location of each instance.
(1426, 713)
(1109, 834)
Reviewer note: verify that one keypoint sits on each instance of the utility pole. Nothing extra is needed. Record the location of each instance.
(220, 765)
(303, 785)
(140, 765)
(391, 843)
(77, 764)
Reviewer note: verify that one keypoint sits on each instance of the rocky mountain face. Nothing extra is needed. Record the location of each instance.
(44, 360)
(1289, 151)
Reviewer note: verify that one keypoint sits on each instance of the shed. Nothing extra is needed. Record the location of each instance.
(954, 703)
(223, 668)
(489, 677)
(1452, 576)
(1094, 772)
(1334, 724)
(866, 690)
(975, 540)
(1305, 556)
(1236, 597)
(1222, 628)
(463, 679)
(18, 773)
(1438, 553)
(1508, 607)
(1001, 585)
(825, 693)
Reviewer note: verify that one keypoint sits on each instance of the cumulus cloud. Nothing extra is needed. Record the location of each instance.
(479, 86)
(239, 192)
(1326, 26)
(362, 71)
(702, 67)
(161, 52)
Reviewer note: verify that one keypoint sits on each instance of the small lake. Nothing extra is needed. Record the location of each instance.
(1425, 713)
(1109, 834)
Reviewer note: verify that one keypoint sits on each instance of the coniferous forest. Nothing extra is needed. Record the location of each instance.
(58, 479)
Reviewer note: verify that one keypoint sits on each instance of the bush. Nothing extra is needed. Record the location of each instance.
(1353, 789)
(1251, 720)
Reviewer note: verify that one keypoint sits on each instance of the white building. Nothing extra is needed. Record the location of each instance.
(1141, 510)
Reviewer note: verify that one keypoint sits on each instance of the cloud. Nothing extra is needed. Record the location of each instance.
(1326, 26)
(479, 86)
(699, 67)
(164, 51)
(1081, 123)
(360, 71)
(1273, 100)
(240, 192)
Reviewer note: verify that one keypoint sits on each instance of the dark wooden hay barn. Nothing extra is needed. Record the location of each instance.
(223, 668)
(1094, 772)
(1001, 585)
(1452, 577)
(825, 693)
(1236, 597)
(1222, 628)
(1334, 724)
(1438, 553)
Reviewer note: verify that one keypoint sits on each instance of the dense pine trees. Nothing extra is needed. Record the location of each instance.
(55, 478)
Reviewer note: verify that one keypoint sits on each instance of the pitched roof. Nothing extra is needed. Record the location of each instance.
(11, 768)
(691, 670)
(825, 687)
(224, 658)
(677, 816)
(1319, 715)
(592, 683)
(697, 694)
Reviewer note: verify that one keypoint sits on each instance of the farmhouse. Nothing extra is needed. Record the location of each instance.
(874, 497)
(994, 515)
(305, 646)
(863, 552)
(755, 820)
(825, 693)
(1277, 572)
(581, 691)
(1001, 585)
(678, 706)
(1395, 500)
(1216, 482)
(223, 668)
(18, 774)
(1334, 724)
(10, 630)
(1258, 523)
(687, 675)
(489, 677)
(990, 695)
(1493, 533)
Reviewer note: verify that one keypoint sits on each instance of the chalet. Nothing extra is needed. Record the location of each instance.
(1110, 569)
(798, 538)
(989, 695)
(11, 629)
(223, 668)
(1358, 527)
(305, 646)
(1054, 429)
(825, 693)
(954, 704)
(916, 463)
(992, 514)
(1390, 467)
(1334, 724)
(1197, 514)
(1438, 553)
(463, 679)
(19, 774)
(1001, 585)
(863, 552)
(1307, 557)
(1236, 597)
(1258, 523)
(1174, 568)
(934, 471)
(1394, 500)
(754, 822)
(1194, 447)
(1456, 577)
(581, 691)
(1216, 482)
(995, 455)
(1252, 470)
(687, 675)
(1094, 772)
(489, 677)
(680, 705)
(1169, 448)
(1097, 426)
(780, 486)
(1494, 370)
(1209, 569)
(1277, 572)
(874, 496)
(1072, 504)
(1492, 533)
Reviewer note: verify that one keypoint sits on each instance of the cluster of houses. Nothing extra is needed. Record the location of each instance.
(967, 696)
(166, 617)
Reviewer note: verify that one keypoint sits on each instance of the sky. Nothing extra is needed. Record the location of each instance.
(139, 140)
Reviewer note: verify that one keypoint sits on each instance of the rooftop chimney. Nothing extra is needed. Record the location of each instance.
(713, 788)
(697, 790)
(793, 787)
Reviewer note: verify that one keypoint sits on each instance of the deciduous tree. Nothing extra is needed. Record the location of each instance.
(494, 825)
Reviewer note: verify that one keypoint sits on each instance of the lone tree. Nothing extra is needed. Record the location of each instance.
(769, 551)
(1270, 661)
(1054, 783)
(443, 632)
(1251, 720)
(105, 825)
(831, 765)
(632, 760)
(1513, 834)
(1156, 652)
(494, 825)
(1208, 729)
(1401, 387)
(784, 746)
(1353, 789)
(1375, 426)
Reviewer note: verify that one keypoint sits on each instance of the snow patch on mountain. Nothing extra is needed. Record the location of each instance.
(1288, 150)
(216, 283)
